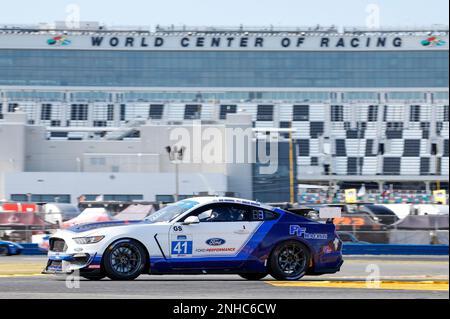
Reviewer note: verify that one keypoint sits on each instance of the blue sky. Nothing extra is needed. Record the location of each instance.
(229, 12)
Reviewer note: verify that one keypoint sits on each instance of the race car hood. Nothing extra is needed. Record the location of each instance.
(92, 226)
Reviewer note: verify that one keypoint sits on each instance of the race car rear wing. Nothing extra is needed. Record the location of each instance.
(324, 214)
(329, 213)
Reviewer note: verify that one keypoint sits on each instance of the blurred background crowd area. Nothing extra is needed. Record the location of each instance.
(366, 217)
(388, 197)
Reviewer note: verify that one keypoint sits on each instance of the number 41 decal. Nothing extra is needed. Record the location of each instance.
(181, 247)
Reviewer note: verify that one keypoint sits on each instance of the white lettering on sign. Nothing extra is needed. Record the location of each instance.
(222, 42)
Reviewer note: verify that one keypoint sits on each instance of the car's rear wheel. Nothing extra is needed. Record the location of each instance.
(253, 276)
(124, 260)
(289, 261)
(4, 251)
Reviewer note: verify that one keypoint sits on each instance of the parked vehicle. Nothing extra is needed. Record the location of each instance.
(89, 215)
(377, 213)
(57, 213)
(8, 248)
(383, 214)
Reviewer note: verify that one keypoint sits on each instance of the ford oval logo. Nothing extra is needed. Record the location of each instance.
(215, 241)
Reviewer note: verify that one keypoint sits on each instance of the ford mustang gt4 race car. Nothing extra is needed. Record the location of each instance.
(201, 235)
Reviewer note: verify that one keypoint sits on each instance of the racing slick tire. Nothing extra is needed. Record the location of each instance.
(289, 260)
(124, 259)
(4, 251)
(253, 276)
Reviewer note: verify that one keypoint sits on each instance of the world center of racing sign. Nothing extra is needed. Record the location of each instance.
(222, 42)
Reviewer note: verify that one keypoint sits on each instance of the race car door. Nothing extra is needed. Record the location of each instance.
(216, 241)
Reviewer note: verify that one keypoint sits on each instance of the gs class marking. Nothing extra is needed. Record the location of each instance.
(177, 228)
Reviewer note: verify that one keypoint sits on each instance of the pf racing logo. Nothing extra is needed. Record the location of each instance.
(301, 232)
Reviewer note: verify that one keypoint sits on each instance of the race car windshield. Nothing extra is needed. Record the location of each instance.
(171, 211)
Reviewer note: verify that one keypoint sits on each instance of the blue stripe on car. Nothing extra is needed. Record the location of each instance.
(85, 227)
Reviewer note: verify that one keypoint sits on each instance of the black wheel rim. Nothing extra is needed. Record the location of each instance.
(3, 250)
(292, 260)
(125, 259)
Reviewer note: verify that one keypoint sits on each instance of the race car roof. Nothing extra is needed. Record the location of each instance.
(216, 199)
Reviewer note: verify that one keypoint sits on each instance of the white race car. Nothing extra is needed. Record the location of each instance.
(201, 235)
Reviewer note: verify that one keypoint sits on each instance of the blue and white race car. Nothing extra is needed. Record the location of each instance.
(201, 235)
(8, 248)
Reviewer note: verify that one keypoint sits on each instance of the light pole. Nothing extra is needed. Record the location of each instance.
(176, 156)
(78, 164)
(292, 191)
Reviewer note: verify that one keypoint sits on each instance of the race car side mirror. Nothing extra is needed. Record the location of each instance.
(191, 220)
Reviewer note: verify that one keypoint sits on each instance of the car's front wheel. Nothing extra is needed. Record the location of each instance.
(124, 260)
(253, 276)
(289, 261)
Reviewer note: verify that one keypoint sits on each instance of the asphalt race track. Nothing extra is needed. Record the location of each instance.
(399, 277)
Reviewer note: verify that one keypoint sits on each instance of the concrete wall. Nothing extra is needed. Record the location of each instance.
(239, 175)
(2, 187)
(12, 142)
(145, 154)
